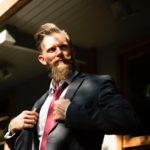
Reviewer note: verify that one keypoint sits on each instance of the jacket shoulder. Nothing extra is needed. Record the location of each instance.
(98, 77)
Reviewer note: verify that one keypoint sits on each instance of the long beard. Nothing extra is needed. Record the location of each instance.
(61, 72)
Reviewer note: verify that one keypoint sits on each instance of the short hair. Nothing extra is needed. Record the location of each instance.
(48, 29)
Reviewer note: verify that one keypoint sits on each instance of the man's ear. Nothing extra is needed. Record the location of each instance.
(42, 59)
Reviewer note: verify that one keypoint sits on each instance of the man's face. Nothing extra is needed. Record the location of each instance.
(56, 53)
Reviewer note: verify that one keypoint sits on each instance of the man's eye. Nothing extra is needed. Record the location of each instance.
(64, 47)
(51, 50)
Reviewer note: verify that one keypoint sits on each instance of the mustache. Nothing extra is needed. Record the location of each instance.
(66, 60)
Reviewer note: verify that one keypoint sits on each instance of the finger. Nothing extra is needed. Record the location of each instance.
(58, 116)
(30, 118)
(58, 112)
(59, 102)
(30, 113)
(30, 121)
(25, 126)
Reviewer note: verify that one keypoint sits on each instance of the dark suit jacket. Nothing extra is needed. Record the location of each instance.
(97, 108)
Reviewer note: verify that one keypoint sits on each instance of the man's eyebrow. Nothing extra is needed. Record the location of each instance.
(50, 48)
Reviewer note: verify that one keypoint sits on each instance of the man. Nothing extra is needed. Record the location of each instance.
(89, 106)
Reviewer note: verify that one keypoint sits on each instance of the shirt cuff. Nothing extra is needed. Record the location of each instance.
(8, 135)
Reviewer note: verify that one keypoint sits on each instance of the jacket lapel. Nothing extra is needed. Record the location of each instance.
(74, 85)
(39, 103)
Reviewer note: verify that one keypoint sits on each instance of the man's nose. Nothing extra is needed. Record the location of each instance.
(58, 51)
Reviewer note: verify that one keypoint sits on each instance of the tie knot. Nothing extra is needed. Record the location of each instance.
(60, 89)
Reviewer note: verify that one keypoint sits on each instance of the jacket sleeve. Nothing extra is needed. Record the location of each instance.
(98, 106)
(10, 139)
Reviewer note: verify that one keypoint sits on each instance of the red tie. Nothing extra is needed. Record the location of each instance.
(50, 123)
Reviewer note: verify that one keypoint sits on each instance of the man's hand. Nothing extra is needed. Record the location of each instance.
(60, 108)
(26, 119)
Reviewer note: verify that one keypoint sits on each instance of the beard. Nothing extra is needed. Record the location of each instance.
(61, 72)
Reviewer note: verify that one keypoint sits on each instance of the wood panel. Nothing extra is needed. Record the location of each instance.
(134, 80)
(9, 7)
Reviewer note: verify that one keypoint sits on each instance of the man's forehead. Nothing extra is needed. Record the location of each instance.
(53, 39)
(59, 36)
